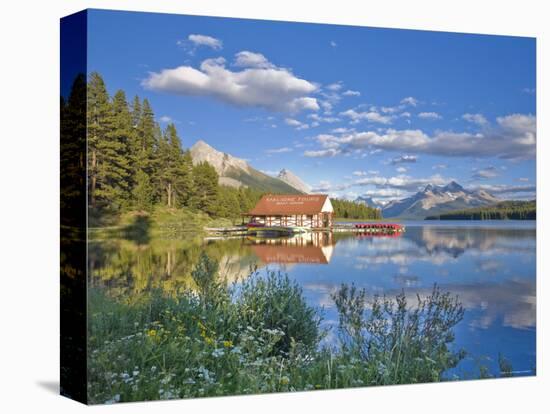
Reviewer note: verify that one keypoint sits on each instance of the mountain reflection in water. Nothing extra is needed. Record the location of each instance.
(490, 266)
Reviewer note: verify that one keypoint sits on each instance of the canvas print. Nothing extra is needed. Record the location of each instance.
(255, 206)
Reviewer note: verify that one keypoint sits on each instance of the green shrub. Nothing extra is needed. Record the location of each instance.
(397, 343)
(277, 303)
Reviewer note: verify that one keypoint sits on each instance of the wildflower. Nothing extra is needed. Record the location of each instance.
(151, 333)
(217, 353)
(228, 344)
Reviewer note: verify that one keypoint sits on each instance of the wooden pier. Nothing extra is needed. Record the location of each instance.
(374, 229)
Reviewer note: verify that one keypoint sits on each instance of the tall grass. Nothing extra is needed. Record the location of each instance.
(261, 336)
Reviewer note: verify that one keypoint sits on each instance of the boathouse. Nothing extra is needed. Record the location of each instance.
(312, 211)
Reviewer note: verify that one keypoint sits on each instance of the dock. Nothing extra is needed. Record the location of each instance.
(374, 229)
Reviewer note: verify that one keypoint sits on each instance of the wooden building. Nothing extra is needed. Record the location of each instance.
(313, 211)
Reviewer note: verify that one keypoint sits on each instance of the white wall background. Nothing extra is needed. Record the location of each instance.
(29, 193)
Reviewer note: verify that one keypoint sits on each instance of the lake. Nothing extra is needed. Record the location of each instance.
(490, 266)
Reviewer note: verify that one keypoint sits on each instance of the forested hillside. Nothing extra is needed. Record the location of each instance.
(506, 210)
(134, 164)
(352, 210)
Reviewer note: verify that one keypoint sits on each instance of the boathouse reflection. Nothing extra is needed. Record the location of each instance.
(311, 248)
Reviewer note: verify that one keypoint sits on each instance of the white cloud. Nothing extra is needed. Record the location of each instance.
(342, 130)
(523, 179)
(404, 159)
(370, 116)
(203, 40)
(296, 124)
(514, 137)
(327, 119)
(273, 88)
(429, 115)
(327, 107)
(278, 150)
(401, 183)
(384, 193)
(401, 170)
(330, 152)
(389, 109)
(333, 43)
(477, 119)
(166, 119)
(501, 189)
(349, 92)
(485, 173)
(248, 59)
(335, 87)
(409, 100)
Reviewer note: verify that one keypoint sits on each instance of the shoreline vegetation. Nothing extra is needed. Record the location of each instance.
(506, 210)
(259, 335)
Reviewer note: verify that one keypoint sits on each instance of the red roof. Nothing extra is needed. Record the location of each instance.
(285, 205)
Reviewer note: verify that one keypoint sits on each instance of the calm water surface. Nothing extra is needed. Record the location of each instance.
(491, 266)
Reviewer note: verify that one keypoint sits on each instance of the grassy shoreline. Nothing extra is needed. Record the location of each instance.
(261, 336)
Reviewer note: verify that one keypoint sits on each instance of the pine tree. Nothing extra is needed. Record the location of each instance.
(136, 111)
(174, 168)
(122, 136)
(143, 192)
(99, 150)
(146, 138)
(205, 194)
(73, 144)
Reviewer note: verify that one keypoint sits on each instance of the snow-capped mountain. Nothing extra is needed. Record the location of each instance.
(438, 199)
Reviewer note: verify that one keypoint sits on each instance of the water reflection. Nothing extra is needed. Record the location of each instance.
(490, 268)
(306, 248)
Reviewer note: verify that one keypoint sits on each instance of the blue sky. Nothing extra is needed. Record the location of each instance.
(351, 110)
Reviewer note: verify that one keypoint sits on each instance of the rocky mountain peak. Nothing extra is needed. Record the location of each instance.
(222, 162)
(293, 180)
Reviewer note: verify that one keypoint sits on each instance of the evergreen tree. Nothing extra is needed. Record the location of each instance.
(73, 144)
(143, 192)
(205, 194)
(122, 136)
(136, 111)
(146, 139)
(174, 168)
(100, 149)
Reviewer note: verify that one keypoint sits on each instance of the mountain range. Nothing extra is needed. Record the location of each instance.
(432, 200)
(236, 172)
(435, 199)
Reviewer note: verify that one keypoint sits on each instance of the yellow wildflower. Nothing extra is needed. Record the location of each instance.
(228, 344)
